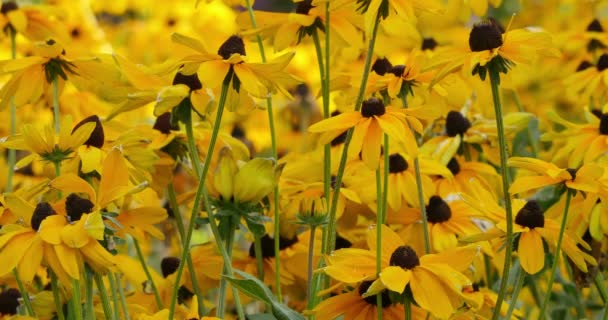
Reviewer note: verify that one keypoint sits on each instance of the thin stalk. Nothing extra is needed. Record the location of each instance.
(12, 153)
(76, 301)
(494, 81)
(25, 296)
(311, 247)
(140, 256)
(521, 275)
(534, 290)
(325, 93)
(273, 142)
(259, 258)
(123, 299)
(201, 192)
(407, 308)
(114, 290)
(488, 266)
(56, 296)
(56, 111)
(420, 191)
(379, 235)
(331, 226)
(558, 248)
(180, 229)
(103, 295)
(221, 306)
(601, 286)
(89, 310)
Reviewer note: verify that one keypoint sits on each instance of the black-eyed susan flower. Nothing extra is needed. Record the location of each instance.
(35, 22)
(401, 266)
(369, 124)
(464, 172)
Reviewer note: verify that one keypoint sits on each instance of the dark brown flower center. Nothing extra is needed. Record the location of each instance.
(604, 124)
(268, 245)
(342, 243)
(456, 124)
(163, 123)
(396, 163)
(437, 210)
(429, 44)
(43, 210)
(595, 26)
(405, 257)
(76, 206)
(397, 70)
(8, 6)
(381, 66)
(304, 7)
(531, 215)
(602, 62)
(97, 137)
(583, 66)
(485, 35)
(9, 301)
(372, 107)
(338, 140)
(454, 166)
(333, 181)
(386, 300)
(233, 45)
(190, 80)
(169, 265)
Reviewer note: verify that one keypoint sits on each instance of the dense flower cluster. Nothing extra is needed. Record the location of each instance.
(320, 159)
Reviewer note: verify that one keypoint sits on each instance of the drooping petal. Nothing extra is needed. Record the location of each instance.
(531, 252)
(395, 278)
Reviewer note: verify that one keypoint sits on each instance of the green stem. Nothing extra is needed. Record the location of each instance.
(180, 229)
(273, 141)
(89, 310)
(420, 191)
(311, 249)
(140, 256)
(601, 286)
(56, 296)
(201, 192)
(123, 299)
(379, 209)
(534, 290)
(103, 295)
(494, 81)
(76, 301)
(25, 296)
(521, 275)
(259, 257)
(114, 290)
(221, 306)
(407, 308)
(488, 266)
(56, 111)
(12, 153)
(558, 248)
(331, 226)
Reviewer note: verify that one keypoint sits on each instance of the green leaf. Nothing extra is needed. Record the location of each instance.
(252, 287)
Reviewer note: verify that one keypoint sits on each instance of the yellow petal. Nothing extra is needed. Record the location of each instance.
(98, 257)
(94, 225)
(430, 294)
(170, 97)
(74, 235)
(90, 158)
(68, 258)
(50, 229)
(250, 82)
(32, 258)
(19, 207)
(395, 278)
(12, 252)
(531, 252)
(114, 179)
(71, 183)
(340, 122)
(223, 179)
(254, 180)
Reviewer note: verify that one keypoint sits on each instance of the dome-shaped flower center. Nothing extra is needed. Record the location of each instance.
(372, 107)
(397, 70)
(169, 265)
(342, 243)
(43, 210)
(234, 44)
(485, 35)
(9, 301)
(531, 216)
(456, 124)
(429, 44)
(583, 66)
(454, 166)
(604, 124)
(405, 257)
(163, 123)
(304, 7)
(381, 66)
(190, 80)
(595, 26)
(396, 163)
(602, 62)
(268, 245)
(8, 6)
(76, 206)
(437, 210)
(386, 300)
(97, 137)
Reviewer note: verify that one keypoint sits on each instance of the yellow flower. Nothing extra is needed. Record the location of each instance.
(584, 179)
(369, 124)
(33, 21)
(406, 9)
(434, 279)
